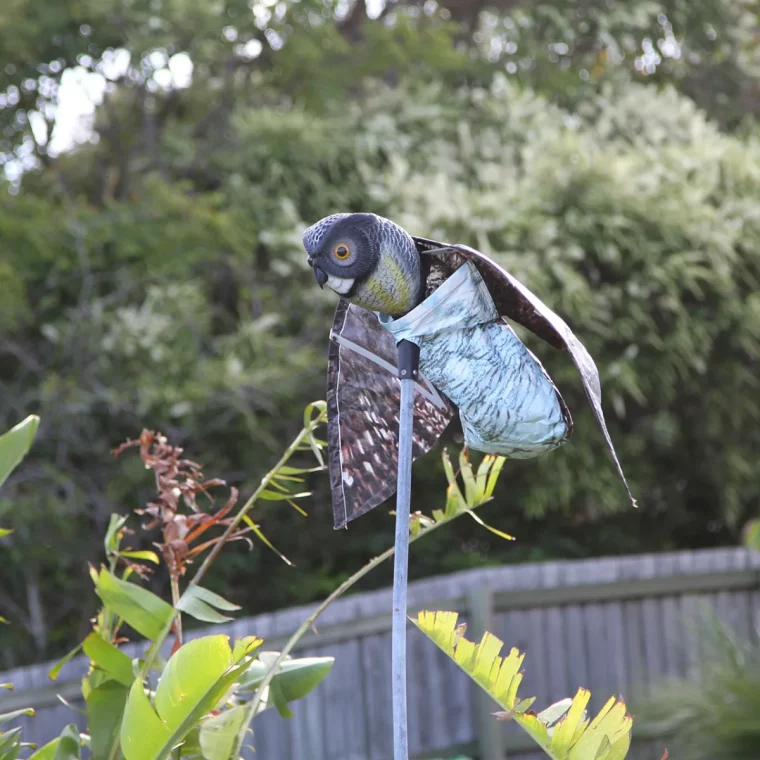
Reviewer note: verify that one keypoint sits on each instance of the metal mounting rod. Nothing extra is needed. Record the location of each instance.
(408, 364)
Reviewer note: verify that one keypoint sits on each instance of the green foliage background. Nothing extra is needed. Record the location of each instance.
(153, 276)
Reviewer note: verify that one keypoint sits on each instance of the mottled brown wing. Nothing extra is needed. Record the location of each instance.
(514, 301)
(363, 395)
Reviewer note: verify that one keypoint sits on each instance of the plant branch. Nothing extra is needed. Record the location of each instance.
(306, 434)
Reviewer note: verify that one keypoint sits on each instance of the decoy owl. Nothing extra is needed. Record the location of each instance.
(452, 301)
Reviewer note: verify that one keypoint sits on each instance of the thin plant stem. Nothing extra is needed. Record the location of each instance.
(243, 511)
(175, 601)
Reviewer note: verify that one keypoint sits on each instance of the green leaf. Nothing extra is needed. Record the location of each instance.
(105, 708)
(470, 484)
(286, 470)
(612, 723)
(194, 681)
(276, 697)
(146, 555)
(5, 532)
(495, 531)
(267, 495)
(68, 744)
(9, 716)
(138, 607)
(219, 602)
(245, 646)
(109, 658)
(115, 524)
(197, 602)
(264, 540)
(47, 752)
(493, 477)
(143, 733)
(189, 675)
(218, 733)
(752, 535)
(563, 736)
(10, 744)
(56, 669)
(295, 679)
(561, 730)
(8, 686)
(15, 444)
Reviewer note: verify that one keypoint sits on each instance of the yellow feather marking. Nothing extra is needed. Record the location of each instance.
(384, 301)
(387, 290)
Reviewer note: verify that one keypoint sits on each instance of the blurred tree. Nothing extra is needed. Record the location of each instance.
(153, 275)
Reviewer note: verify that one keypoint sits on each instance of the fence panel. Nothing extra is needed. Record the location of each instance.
(614, 625)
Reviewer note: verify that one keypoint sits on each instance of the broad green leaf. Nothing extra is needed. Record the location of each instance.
(295, 679)
(562, 730)
(200, 603)
(219, 602)
(194, 681)
(218, 733)
(47, 752)
(245, 646)
(9, 716)
(200, 610)
(5, 532)
(15, 444)
(143, 733)
(68, 744)
(109, 658)
(276, 696)
(56, 669)
(189, 675)
(105, 708)
(144, 611)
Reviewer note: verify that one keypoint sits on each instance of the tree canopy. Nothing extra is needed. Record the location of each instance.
(153, 276)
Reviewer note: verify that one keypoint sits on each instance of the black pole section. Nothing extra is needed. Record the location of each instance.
(408, 360)
(408, 369)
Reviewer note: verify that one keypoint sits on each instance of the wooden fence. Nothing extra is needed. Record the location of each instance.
(614, 625)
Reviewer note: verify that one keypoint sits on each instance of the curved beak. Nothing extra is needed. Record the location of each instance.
(320, 276)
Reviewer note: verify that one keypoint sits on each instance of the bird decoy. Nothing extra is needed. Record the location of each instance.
(451, 300)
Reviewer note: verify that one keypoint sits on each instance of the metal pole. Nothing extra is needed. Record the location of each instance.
(408, 362)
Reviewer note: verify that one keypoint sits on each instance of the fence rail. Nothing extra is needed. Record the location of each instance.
(614, 625)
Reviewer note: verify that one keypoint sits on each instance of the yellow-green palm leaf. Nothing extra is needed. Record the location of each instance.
(563, 730)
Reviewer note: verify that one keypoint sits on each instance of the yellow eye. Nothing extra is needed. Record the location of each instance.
(342, 252)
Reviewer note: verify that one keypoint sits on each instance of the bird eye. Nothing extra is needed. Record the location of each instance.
(342, 252)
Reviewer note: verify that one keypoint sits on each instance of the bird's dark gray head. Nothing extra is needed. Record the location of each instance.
(366, 259)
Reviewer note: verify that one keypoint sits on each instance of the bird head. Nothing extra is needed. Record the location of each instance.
(366, 259)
